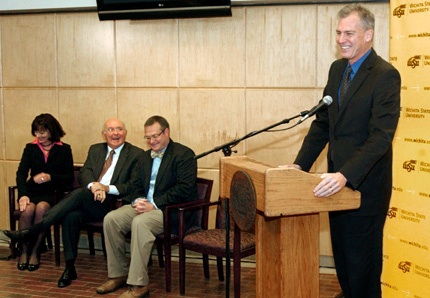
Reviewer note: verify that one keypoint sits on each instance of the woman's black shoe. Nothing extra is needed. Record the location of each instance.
(22, 266)
(18, 236)
(33, 267)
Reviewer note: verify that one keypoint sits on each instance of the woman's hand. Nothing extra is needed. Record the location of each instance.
(41, 178)
(23, 202)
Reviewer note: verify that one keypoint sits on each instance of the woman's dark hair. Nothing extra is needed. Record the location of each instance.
(48, 122)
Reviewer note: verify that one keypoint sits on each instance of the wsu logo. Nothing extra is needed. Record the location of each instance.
(392, 212)
(399, 11)
(409, 165)
(414, 61)
(405, 266)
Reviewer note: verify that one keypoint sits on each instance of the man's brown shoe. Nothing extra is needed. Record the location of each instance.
(136, 292)
(112, 285)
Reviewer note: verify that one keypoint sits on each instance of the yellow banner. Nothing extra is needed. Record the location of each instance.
(406, 270)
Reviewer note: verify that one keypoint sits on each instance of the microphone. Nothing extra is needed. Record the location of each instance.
(326, 101)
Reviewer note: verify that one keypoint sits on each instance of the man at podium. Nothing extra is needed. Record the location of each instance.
(359, 128)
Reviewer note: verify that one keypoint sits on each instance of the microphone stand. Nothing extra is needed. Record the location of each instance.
(226, 149)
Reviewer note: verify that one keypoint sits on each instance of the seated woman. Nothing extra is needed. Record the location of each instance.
(50, 164)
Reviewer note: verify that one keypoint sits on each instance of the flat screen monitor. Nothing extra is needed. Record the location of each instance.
(156, 9)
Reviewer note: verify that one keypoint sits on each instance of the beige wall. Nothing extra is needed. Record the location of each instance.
(214, 79)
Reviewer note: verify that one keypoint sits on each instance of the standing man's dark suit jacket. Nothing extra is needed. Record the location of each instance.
(176, 179)
(359, 132)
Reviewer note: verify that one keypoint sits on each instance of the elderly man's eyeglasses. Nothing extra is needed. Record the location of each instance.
(114, 129)
(153, 137)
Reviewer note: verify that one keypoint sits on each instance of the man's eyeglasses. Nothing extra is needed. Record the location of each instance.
(114, 129)
(153, 137)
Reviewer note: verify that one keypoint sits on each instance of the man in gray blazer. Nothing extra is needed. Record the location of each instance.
(359, 127)
(167, 175)
(91, 202)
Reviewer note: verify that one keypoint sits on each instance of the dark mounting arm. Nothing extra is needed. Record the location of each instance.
(226, 148)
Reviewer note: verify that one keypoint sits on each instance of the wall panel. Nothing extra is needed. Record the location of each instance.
(21, 106)
(280, 52)
(152, 46)
(210, 118)
(85, 51)
(146, 103)
(267, 107)
(29, 50)
(82, 115)
(212, 51)
(4, 209)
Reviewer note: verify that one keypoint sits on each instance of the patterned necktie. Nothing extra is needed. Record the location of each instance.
(156, 154)
(107, 164)
(344, 84)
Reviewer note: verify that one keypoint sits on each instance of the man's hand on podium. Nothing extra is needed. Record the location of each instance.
(331, 183)
(292, 166)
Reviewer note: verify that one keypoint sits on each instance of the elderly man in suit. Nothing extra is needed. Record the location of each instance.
(359, 129)
(167, 175)
(105, 176)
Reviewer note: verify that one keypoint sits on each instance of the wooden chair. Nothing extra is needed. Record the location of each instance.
(213, 242)
(167, 239)
(97, 227)
(14, 214)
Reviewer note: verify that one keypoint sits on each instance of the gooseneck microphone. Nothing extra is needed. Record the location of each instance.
(326, 101)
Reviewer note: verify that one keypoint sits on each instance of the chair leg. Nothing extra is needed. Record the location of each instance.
(49, 238)
(160, 253)
(103, 245)
(57, 244)
(220, 268)
(181, 270)
(167, 266)
(91, 242)
(236, 272)
(206, 265)
(13, 249)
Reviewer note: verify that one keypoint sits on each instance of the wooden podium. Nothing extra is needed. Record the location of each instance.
(286, 225)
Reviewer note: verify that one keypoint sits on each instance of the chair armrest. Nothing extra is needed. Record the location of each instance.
(175, 207)
(197, 206)
(182, 210)
(182, 205)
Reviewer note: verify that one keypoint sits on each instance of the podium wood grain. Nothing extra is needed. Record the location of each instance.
(287, 225)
